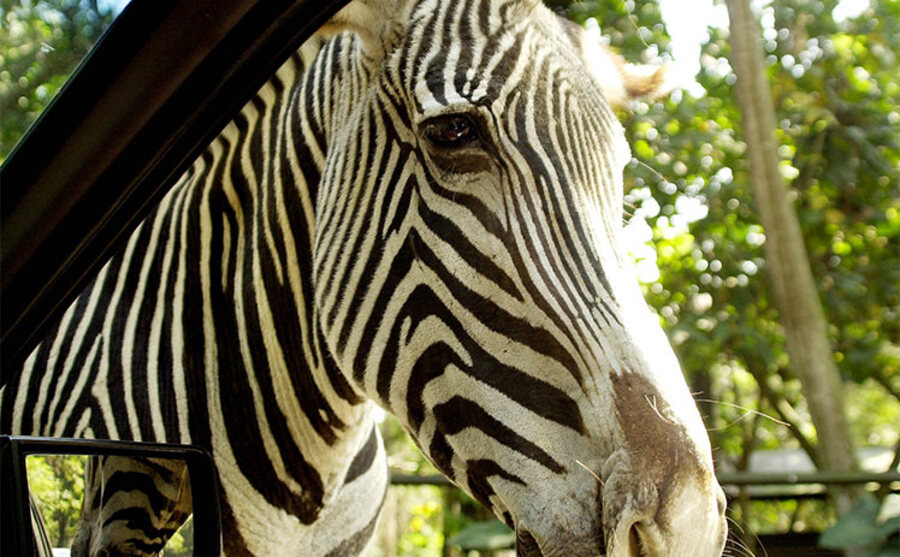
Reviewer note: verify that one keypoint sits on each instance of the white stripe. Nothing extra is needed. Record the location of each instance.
(131, 323)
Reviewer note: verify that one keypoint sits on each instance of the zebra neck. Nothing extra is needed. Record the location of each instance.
(263, 340)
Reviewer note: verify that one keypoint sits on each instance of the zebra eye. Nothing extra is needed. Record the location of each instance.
(452, 131)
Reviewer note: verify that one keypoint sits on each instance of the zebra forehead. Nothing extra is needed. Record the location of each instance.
(441, 28)
(454, 57)
(492, 15)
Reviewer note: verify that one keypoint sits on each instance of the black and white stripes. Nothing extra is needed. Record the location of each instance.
(421, 211)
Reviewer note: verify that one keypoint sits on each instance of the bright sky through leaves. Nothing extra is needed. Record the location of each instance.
(687, 22)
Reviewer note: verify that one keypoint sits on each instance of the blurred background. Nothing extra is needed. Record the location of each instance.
(694, 229)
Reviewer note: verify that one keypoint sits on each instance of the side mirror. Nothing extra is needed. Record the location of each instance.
(21, 528)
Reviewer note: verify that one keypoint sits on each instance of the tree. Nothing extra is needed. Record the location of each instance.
(690, 199)
(58, 483)
(789, 273)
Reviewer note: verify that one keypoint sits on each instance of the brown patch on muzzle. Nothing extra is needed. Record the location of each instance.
(658, 445)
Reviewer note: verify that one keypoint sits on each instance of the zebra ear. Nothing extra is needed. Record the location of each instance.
(622, 81)
(378, 23)
(619, 80)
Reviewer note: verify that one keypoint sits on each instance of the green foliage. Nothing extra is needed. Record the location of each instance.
(41, 41)
(836, 97)
(57, 481)
(423, 532)
(635, 28)
(836, 100)
(860, 532)
(841, 128)
(415, 519)
(181, 544)
(770, 517)
(873, 413)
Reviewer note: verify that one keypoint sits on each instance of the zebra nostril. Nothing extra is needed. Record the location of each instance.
(635, 546)
(526, 545)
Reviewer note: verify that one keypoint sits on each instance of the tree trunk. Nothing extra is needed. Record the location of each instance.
(787, 264)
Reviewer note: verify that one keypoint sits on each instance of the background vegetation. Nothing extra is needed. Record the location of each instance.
(697, 239)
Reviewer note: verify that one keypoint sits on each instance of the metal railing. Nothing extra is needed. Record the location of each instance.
(733, 479)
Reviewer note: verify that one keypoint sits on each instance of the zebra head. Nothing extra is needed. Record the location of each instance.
(469, 276)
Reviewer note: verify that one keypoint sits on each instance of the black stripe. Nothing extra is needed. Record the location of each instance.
(358, 540)
(400, 265)
(126, 481)
(451, 233)
(493, 316)
(281, 303)
(241, 425)
(373, 170)
(79, 308)
(93, 326)
(459, 413)
(537, 396)
(140, 362)
(363, 459)
(137, 519)
(233, 543)
(166, 380)
(115, 373)
(478, 473)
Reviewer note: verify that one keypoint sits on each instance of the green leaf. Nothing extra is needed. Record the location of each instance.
(889, 527)
(856, 528)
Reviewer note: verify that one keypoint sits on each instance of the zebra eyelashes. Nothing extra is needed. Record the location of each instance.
(457, 143)
(451, 131)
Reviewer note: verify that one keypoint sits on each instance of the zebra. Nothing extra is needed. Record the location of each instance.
(420, 210)
(132, 504)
